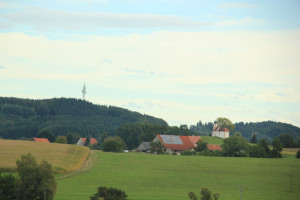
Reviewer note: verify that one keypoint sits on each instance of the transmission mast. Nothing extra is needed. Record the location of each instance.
(83, 92)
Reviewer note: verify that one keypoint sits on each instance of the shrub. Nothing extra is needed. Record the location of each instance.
(298, 154)
(188, 153)
(113, 144)
(109, 194)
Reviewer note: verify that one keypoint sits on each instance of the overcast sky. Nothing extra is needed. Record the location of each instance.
(180, 60)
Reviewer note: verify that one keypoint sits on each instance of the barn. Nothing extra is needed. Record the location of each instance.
(144, 147)
(176, 143)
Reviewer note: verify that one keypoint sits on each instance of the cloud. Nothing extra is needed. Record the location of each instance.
(281, 94)
(238, 5)
(242, 22)
(106, 60)
(195, 79)
(44, 19)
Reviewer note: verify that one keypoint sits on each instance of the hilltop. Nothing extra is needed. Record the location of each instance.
(27, 117)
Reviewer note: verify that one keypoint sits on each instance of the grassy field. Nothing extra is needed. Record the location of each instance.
(152, 177)
(63, 157)
(212, 140)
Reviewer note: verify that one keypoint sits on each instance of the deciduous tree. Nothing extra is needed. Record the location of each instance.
(113, 144)
(109, 194)
(36, 181)
(235, 146)
(156, 147)
(225, 123)
(7, 187)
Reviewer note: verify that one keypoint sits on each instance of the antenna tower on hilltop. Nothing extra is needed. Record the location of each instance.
(83, 92)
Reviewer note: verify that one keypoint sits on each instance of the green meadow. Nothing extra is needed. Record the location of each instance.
(161, 177)
(212, 140)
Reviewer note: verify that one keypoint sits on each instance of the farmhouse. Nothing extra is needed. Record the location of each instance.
(41, 140)
(220, 132)
(144, 147)
(81, 141)
(178, 143)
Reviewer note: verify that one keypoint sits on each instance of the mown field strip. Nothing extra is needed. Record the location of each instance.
(152, 177)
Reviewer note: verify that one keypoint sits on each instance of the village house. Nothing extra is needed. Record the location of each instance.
(220, 132)
(144, 147)
(176, 143)
(45, 140)
(81, 141)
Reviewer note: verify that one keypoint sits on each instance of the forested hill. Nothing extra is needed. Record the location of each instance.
(26, 117)
(267, 129)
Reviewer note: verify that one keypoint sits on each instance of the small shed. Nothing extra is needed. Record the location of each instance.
(144, 147)
(81, 141)
(45, 140)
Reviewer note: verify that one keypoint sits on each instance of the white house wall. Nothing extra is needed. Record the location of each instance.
(220, 134)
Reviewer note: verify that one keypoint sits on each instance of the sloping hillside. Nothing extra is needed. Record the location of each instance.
(212, 140)
(64, 158)
(26, 117)
(267, 129)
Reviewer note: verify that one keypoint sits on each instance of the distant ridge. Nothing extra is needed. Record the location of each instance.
(27, 117)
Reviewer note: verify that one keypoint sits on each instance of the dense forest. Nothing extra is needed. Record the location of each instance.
(266, 129)
(27, 118)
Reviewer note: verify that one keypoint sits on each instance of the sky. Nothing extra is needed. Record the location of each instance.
(179, 60)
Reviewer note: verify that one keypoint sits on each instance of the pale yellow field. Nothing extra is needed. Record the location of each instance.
(64, 158)
(290, 151)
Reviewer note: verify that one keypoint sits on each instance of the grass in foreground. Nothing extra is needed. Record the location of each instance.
(151, 177)
(63, 157)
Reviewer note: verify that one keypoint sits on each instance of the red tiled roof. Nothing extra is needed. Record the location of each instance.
(41, 140)
(220, 129)
(92, 140)
(188, 143)
(195, 139)
(214, 147)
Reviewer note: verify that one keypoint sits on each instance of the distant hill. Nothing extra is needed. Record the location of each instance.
(27, 117)
(267, 129)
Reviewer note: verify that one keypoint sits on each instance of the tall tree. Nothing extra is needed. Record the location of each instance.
(225, 123)
(287, 140)
(253, 139)
(72, 138)
(264, 144)
(7, 187)
(47, 134)
(87, 141)
(36, 181)
(235, 146)
(156, 147)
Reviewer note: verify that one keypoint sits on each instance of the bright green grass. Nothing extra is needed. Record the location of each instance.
(212, 140)
(151, 177)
